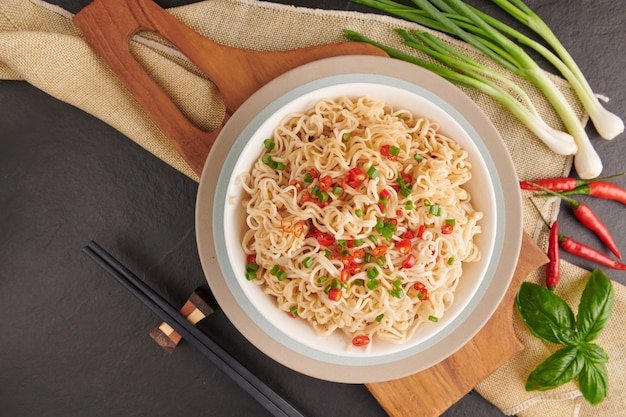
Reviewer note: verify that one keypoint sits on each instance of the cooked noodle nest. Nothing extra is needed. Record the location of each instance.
(393, 178)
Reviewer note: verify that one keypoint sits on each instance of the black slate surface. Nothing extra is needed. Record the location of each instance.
(75, 343)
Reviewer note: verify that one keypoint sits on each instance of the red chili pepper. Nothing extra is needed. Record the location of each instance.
(379, 250)
(421, 288)
(314, 173)
(447, 229)
(588, 218)
(323, 238)
(589, 253)
(343, 276)
(553, 269)
(562, 184)
(421, 230)
(361, 340)
(355, 177)
(325, 182)
(384, 151)
(601, 189)
(334, 294)
(251, 258)
(409, 261)
(404, 246)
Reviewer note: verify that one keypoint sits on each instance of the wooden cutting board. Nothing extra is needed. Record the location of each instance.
(430, 392)
(108, 26)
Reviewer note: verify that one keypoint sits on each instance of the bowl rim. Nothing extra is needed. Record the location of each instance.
(210, 222)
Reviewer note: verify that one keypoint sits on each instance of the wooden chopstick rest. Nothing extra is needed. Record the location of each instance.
(197, 307)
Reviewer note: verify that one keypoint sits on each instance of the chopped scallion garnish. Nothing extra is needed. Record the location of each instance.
(269, 144)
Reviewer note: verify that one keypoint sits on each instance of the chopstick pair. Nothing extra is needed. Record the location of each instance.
(268, 398)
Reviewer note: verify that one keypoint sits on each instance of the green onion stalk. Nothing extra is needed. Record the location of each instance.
(460, 20)
(470, 75)
(608, 124)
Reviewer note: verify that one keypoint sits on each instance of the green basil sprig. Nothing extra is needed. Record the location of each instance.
(549, 318)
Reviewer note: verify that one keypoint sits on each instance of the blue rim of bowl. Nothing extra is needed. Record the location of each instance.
(221, 199)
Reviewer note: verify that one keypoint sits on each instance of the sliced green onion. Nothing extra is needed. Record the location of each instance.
(450, 261)
(307, 262)
(322, 279)
(275, 270)
(252, 267)
(281, 275)
(433, 319)
(397, 293)
(435, 210)
(372, 172)
(308, 178)
(358, 213)
(379, 317)
(266, 159)
(451, 222)
(337, 190)
(250, 275)
(323, 196)
(359, 282)
(409, 205)
(372, 272)
(269, 144)
(294, 310)
(372, 284)
(418, 157)
(345, 137)
(394, 150)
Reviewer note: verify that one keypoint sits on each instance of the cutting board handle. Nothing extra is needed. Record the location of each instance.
(109, 25)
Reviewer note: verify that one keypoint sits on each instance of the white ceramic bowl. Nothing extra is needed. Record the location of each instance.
(221, 219)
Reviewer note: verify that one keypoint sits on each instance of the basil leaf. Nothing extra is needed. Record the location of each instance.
(593, 382)
(546, 315)
(560, 367)
(595, 306)
(593, 353)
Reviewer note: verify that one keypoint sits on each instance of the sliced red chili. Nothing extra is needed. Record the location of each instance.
(409, 261)
(325, 182)
(404, 246)
(385, 194)
(379, 250)
(422, 291)
(343, 275)
(251, 258)
(314, 173)
(384, 151)
(420, 231)
(334, 294)
(355, 177)
(408, 234)
(323, 238)
(447, 229)
(360, 340)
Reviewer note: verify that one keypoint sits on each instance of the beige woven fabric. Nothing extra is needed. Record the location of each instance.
(39, 44)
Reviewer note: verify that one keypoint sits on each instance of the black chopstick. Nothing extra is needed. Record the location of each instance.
(268, 398)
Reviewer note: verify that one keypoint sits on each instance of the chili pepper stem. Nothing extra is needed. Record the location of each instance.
(573, 202)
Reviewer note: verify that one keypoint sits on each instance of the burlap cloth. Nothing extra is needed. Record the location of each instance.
(39, 44)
